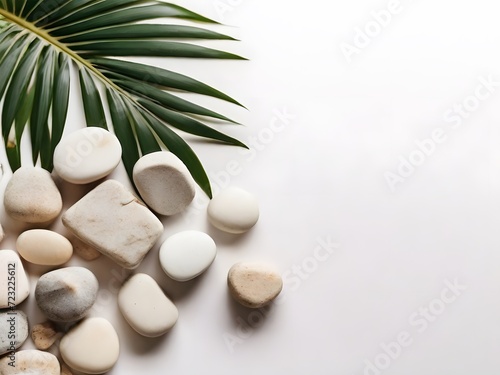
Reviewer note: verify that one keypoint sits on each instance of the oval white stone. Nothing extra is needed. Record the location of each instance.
(11, 266)
(87, 155)
(31, 196)
(91, 347)
(187, 254)
(234, 210)
(30, 362)
(164, 182)
(44, 247)
(145, 307)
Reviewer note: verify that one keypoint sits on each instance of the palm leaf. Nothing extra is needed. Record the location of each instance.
(40, 43)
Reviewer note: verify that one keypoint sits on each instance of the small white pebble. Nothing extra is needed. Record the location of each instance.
(187, 254)
(233, 210)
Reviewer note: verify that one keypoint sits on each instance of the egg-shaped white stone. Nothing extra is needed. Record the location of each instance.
(187, 254)
(87, 155)
(91, 347)
(233, 210)
(145, 307)
(44, 247)
(164, 182)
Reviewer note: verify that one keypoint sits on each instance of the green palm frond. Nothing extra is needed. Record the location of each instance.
(39, 42)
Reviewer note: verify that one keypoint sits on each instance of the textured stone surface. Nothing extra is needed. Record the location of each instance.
(112, 220)
(66, 294)
(233, 210)
(31, 196)
(12, 271)
(145, 307)
(44, 335)
(254, 284)
(30, 362)
(164, 182)
(91, 347)
(86, 155)
(44, 247)
(187, 254)
(13, 330)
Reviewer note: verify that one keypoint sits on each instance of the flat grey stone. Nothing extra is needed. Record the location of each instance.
(13, 330)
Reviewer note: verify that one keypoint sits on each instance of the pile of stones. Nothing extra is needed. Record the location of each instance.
(112, 221)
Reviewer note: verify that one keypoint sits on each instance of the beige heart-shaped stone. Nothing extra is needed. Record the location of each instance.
(254, 284)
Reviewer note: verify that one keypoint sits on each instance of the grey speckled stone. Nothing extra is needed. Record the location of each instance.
(30, 362)
(112, 220)
(13, 329)
(66, 294)
(31, 196)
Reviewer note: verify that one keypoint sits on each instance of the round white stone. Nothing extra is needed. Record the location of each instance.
(87, 155)
(234, 210)
(164, 182)
(31, 196)
(44, 247)
(187, 254)
(91, 347)
(145, 307)
(30, 362)
(12, 271)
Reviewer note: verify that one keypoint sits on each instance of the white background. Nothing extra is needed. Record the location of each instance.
(322, 177)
